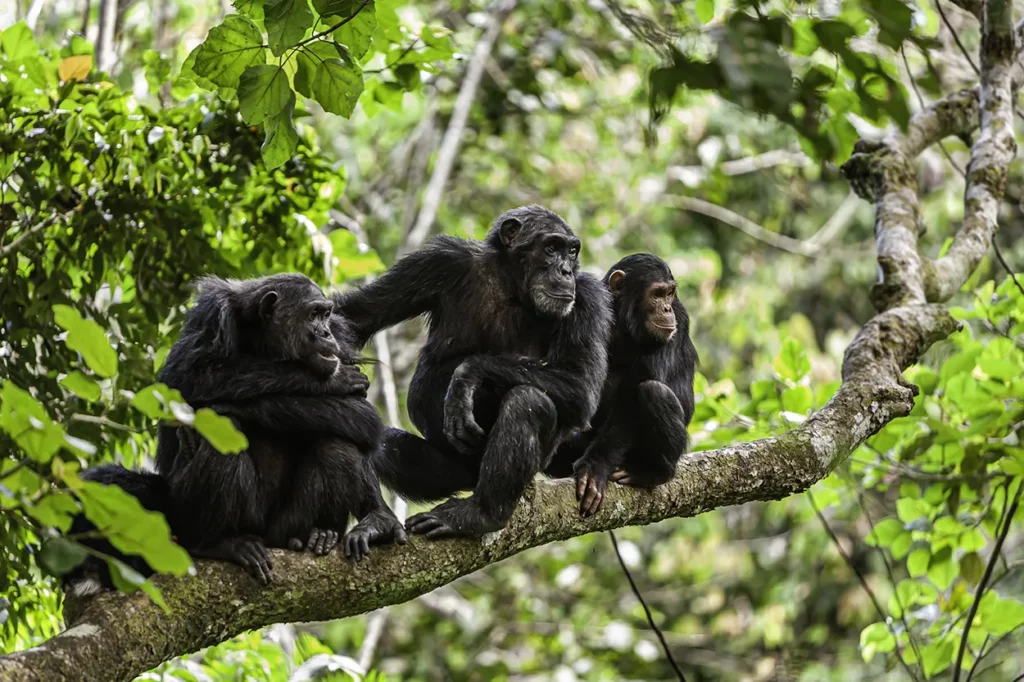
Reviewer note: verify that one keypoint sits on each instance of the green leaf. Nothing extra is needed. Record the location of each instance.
(337, 86)
(797, 399)
(88, 338)
(130, 527)
(82, 386)
(308, 58)
(287, 22)
(281, 137)
(1001, 616)
(917, 562)
(935, 656)
(60, 555)
(1000, 368)
(901, 545)
(792, 362)
(941, 570)
(705, 10)
(350, 260)
(230, 49)
(884, 533)
(909, 509)
(263, 92)
(357, 33)
(157, 401)
(250, 8)
(126, 579)
(25, 420)
(17, 42)
(971, 568)
(55, 510)
(220, 432)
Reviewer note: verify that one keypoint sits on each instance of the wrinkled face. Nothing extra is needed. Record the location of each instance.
(551, 263)
(659, 318)
(298, 324)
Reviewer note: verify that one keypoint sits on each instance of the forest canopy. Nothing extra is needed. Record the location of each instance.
(834, 185)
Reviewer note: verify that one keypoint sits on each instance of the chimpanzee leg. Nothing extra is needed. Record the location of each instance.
(517, 447)
(662, 438)
(377, 522)
(419, 471)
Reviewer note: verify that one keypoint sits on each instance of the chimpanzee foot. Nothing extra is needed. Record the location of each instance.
(320, 542)
(246, 551)
(376, 528)
(456, 518)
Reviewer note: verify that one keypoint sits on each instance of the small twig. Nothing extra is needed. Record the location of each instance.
(398, 59)
(920, 99)
(647, 610)
(956, 37)
(1002, 261)
(863, 583)
(986, 576)
(335, 27)
(38, 227)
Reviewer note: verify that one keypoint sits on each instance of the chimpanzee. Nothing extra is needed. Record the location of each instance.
(270, 354)
(639, 431)
(514, 362)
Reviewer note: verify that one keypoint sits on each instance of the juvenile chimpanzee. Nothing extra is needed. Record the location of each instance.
(514, 362)
(639, 431)
(270, 354)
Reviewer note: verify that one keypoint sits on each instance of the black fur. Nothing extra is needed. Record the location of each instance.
(639, 431)
(514, 363)
(269, 354)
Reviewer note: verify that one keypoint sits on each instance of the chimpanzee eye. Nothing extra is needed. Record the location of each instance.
(574, 253)
(550, 249)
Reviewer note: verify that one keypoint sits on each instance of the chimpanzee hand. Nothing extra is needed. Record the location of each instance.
(374, 529)
(460, 425)
(320, 542)
(456, 518)
(591, 480)
(246, 551)
(349, 380)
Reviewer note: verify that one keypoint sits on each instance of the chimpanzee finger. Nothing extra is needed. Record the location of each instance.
(581, 486)
(423, 523)
(257, 565)
(618, 475)
(364, 546)
(443, 531)
(332, 541)
(352, 546)
(625, 480)
(597, 501)
(321, 541)
(295, 544)
(400, 536)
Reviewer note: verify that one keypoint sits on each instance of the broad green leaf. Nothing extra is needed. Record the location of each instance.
(705, 10)
(250, 8)
(797, 399)
(82, 386)
(281, 137)
(971, 568)
(55, 510)
(357, 33)
(130, 527)
(88, 338)
(126, 579)
(1000, 368)
(220, 432)
(901, 545)
(909, 509)
(350, 260)
(337, 86)
(17, 42)
(287, 22)
(60, 555)
(308, 58)
(941, 569)
(263, 92)
(935, 656)
(917, 562)
(25, 420)
(230, 49)
(1001, 616)
(157, 401)
(792, 362)
(884, 532)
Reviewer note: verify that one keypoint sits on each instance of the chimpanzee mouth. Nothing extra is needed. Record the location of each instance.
(562, 297)
(669, 327)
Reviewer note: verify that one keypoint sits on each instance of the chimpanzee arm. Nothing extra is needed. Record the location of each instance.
(350, 418)
(572, 375)
(411, 287)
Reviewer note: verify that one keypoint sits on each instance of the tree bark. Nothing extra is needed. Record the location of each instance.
(117, 637)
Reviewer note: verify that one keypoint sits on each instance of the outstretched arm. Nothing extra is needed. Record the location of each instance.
(411, 287)
(349, 418)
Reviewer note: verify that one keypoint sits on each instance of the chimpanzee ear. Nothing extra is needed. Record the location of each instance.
(508, 230)
(267, 304)
(616, 281)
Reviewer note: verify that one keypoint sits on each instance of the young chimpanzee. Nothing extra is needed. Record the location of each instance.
(514, 362)
(270, 354)
(639, 431)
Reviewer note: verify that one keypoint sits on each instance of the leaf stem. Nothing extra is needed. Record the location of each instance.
(332, 29)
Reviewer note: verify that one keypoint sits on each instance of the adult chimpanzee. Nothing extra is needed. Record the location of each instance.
(514, 362)
(639, 431)
(270, 354)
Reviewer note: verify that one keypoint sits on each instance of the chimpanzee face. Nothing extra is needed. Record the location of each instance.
(660, 320)
(297, 320)
(551, 266)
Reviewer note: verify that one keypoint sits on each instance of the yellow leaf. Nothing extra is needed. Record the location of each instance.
(75, 68)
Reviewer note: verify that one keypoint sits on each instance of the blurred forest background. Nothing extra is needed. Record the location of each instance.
(706, 131)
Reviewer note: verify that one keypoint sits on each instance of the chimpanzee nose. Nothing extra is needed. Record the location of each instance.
(565, 269)
(667, 308)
